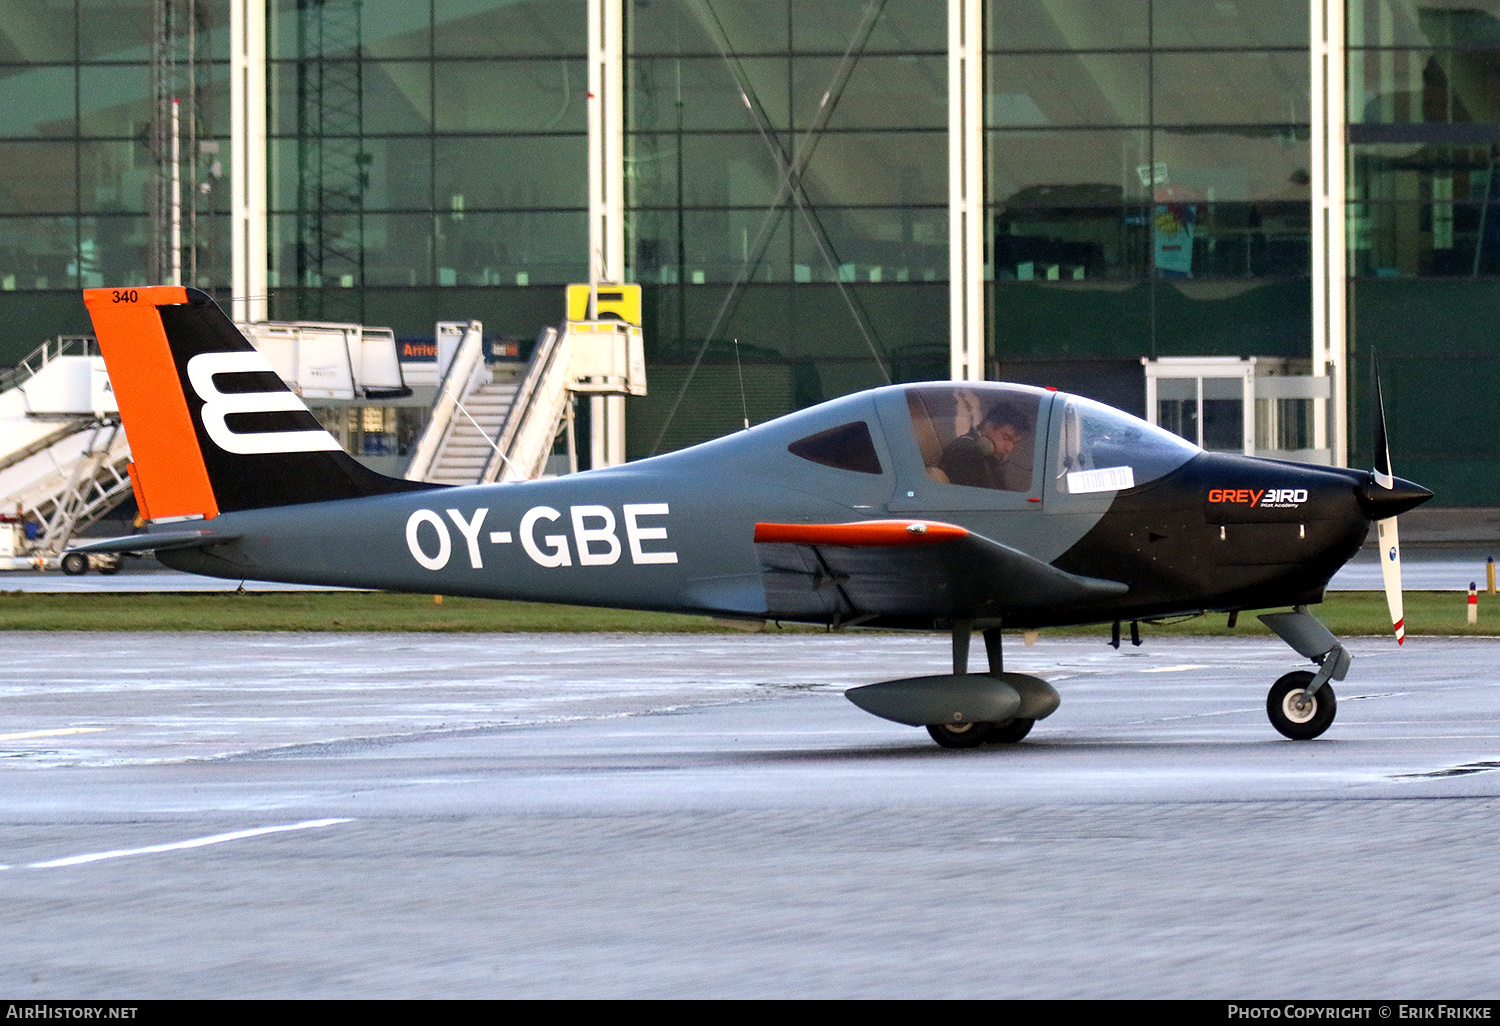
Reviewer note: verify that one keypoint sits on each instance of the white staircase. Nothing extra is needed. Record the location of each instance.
(469, 444)
(492, 422)
(538, 415)
(80, 490)
(63, 455)
(497, 423)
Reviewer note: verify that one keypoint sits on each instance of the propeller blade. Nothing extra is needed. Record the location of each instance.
(1385, 529)
(1390, 572)
(1383, 475)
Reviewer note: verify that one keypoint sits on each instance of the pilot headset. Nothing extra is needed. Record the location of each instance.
(981, 440)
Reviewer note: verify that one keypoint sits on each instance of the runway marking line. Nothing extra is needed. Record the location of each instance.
(1173, 669)
(196, 842)
(51, 733)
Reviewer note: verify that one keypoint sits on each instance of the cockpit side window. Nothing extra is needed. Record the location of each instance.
(979, 437)
(846, 447)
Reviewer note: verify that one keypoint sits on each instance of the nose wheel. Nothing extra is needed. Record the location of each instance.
(1298, 713)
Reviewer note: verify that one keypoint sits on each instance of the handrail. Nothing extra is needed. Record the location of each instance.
(455, 382)
(99, 482)
(77, 490)
(49, 350)
(543, 359)
(71, 426)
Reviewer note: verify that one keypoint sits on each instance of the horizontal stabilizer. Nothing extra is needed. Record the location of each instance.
(162, 541)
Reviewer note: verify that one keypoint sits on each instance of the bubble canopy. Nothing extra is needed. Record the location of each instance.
(991, 435)
(1099, 448)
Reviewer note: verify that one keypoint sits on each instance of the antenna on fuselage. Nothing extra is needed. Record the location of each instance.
(744, 407)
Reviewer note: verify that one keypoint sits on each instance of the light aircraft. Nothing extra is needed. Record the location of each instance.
(942, 506)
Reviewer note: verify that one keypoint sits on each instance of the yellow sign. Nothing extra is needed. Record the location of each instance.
(616, 303)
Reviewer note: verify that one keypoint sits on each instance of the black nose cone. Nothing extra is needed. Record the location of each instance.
(1379, 503)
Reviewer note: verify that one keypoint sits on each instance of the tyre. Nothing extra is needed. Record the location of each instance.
(109, 566)
(1294, 712)
(1008, 732)
(959, 735)
(75, 563)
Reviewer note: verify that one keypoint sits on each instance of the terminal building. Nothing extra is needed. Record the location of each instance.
(1212, 213)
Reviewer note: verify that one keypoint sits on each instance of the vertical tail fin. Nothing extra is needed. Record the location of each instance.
(212, 428)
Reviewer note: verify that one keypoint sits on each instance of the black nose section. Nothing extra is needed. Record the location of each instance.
(1379, 503)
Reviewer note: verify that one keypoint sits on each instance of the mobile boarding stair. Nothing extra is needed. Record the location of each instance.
(489, 423)
(63, 456)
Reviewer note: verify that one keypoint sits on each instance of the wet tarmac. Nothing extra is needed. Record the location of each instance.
(215, 815)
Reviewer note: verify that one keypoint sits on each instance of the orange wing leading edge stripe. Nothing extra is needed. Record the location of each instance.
(861, 533)
(163, 442)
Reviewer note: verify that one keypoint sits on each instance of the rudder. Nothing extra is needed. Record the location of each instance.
(212, 428)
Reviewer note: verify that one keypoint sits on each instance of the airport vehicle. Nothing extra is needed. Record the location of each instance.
(945, 506)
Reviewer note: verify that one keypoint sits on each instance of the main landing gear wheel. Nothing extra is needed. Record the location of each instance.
(75, 563)
(1297, 714)
(960, 735)
(1008, 732)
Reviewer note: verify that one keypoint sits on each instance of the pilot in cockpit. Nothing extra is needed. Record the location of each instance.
(983, 458)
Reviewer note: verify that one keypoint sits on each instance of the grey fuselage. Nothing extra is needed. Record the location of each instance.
(676, 532)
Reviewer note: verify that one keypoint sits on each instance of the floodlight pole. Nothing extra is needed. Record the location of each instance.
(176, 191)
(1330, 247)
(247, 147)
(606, 113)
(966, 213)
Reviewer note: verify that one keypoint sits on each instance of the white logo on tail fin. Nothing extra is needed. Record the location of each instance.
(218, 405)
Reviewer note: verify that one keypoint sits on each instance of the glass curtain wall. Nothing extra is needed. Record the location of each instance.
(1424, 212)
(1148, 186)
(79, 159)
(429, 161)
(786, 168)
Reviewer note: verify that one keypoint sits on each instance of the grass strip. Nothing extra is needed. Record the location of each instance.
(1347, 614)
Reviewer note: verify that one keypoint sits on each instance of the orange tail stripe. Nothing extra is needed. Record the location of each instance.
(170, 474)
(140, 496)
(864, 532)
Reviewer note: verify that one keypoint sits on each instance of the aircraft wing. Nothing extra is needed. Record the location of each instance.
(909, 568)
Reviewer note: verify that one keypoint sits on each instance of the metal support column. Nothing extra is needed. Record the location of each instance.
(1330, 248)
(247, 178)
(606, 200)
